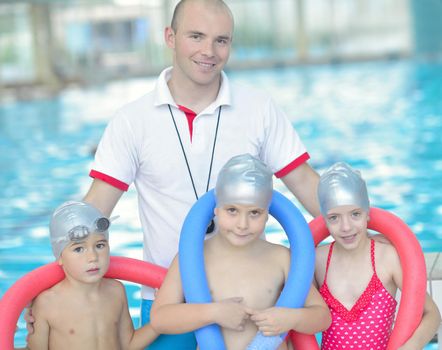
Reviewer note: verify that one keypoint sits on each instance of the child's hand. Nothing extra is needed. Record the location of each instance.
(272, 321)
(233, 314)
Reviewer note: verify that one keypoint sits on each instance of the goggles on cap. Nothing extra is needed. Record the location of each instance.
(80, 232)
(75, 221)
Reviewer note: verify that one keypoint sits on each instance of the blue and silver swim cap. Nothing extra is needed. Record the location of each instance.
(74, 221)
(341, 185)
(244, 180)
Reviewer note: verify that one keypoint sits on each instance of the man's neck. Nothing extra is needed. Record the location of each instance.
(192, 96)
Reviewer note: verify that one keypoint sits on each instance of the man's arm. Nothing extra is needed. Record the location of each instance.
(303, 183)
(103, 196)
(39, 338)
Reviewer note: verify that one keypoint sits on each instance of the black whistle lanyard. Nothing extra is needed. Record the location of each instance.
(212, 224)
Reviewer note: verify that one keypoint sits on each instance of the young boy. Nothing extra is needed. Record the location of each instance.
(84, 311)
(245, 273)
(358, 277)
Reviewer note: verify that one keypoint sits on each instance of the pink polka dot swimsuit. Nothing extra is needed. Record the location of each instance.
(369, 322)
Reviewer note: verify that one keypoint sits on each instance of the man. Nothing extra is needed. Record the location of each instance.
(172, 141)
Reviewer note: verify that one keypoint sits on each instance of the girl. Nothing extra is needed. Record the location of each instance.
(358, 277)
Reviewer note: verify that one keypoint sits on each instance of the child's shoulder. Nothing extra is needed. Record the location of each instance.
(113, 286)
(275, 247)
(322, 251)
(275, 252)
(385, 247)
(46, 300)
(386, 253)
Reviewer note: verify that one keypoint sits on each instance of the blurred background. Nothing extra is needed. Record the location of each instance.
(361, 81)
(51, 44)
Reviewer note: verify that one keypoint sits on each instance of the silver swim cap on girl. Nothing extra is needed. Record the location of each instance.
(342, 185)
(74, 221)
(244, 180)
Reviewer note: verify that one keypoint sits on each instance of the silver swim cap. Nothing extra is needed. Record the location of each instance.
(74, 221)
(244, 180)
(341, 185)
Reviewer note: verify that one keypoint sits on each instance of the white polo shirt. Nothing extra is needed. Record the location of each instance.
(140, 145)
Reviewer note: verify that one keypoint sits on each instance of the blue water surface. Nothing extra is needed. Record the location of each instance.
(384, 118)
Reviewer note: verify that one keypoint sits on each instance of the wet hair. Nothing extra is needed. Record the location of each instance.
(179, 7)
(342, 185)
(244, 180)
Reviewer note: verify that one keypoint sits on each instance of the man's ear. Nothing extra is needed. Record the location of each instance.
(169, 37)
(215, 211)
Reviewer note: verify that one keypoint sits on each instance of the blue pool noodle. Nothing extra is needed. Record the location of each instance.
(193, 275)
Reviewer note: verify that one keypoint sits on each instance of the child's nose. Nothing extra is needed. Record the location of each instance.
(345, 223)
(92, 254)
(243, 221)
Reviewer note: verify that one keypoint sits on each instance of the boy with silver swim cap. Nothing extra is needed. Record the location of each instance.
(73, 221)
(245, 180)
(68, 314)
(342, 185)
(245, 273)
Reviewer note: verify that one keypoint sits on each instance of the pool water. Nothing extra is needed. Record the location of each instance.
(384, 118)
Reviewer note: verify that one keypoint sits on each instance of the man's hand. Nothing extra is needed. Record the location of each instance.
(29, 318)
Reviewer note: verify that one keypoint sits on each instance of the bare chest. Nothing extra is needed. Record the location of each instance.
(258, 284)
(85, 327)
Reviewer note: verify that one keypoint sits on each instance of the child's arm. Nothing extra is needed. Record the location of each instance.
(312, 318)
(430, 318)
(39, 339)
(133, 339)
(427, 328)
(171, 315)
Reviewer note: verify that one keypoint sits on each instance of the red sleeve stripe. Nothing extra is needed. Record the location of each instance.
(289, 167)
(109, 179)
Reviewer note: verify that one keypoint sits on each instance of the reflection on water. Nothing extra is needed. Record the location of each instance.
(383, 118)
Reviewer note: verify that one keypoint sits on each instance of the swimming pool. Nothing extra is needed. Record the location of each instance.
(384, 118)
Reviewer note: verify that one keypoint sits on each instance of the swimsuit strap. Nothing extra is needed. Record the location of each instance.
(373, 265)
(372, 256)
(330, 251)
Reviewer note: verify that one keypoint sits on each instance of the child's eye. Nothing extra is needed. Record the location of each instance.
(332, 218)
(78, 249)
(231, 210)
(356, 214)
(101, 245)
(255, 212)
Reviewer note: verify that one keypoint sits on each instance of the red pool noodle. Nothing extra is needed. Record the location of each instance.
(408, 317)
(33, 283)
